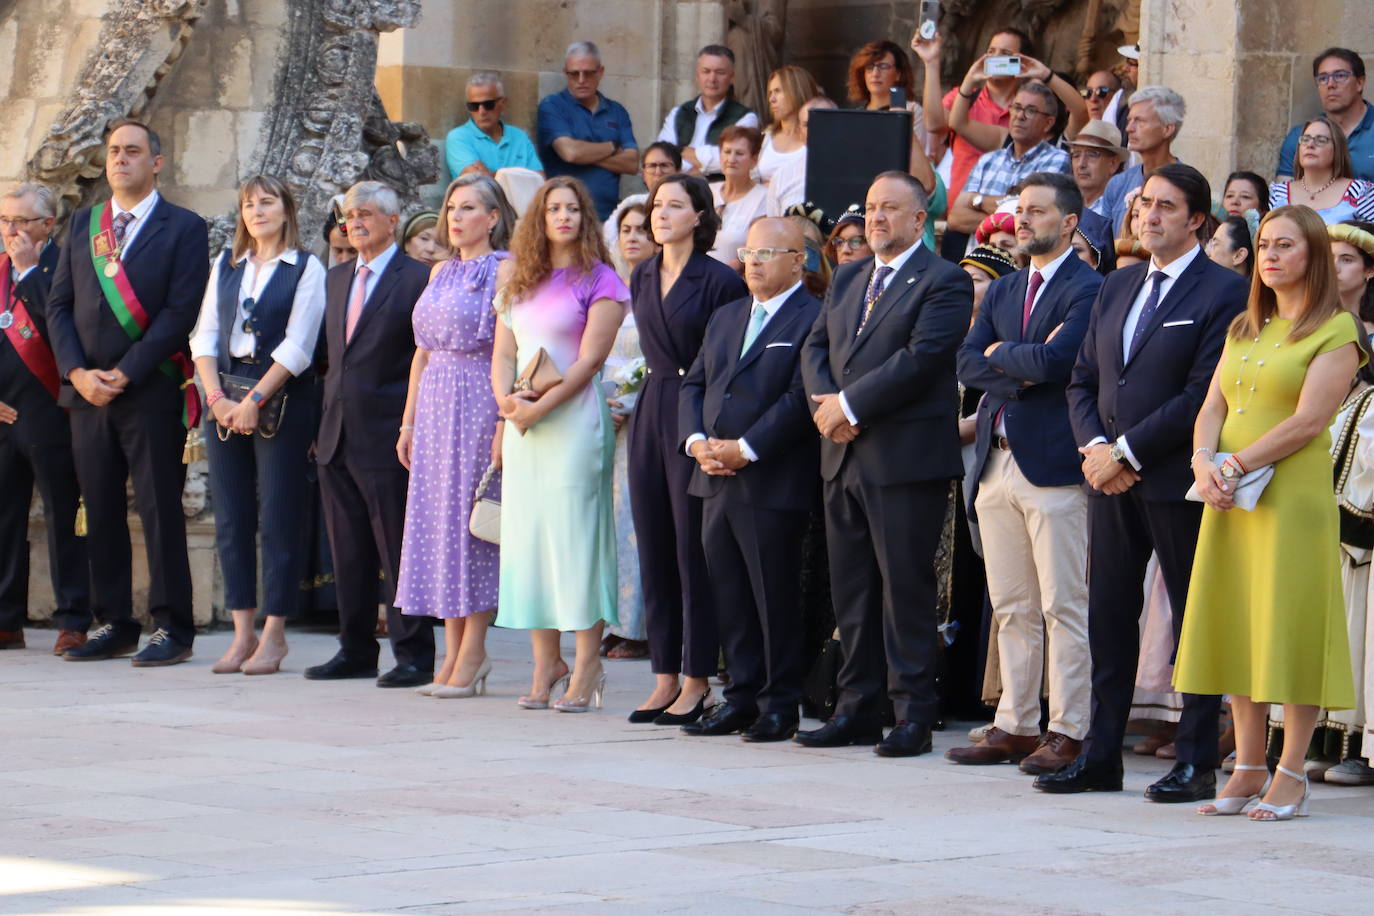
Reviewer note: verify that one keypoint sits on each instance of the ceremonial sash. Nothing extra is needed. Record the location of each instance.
(23, 333)
(129, 312)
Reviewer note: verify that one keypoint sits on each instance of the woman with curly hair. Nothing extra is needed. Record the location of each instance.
(562, 307)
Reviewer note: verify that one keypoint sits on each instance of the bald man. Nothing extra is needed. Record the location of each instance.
(743, 416)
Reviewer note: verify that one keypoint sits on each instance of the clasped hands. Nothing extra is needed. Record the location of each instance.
(831, 421)
(1216, 491)
(99, 386)
(719, 457)
(1105, 474)
(520, 410)
(236, 416)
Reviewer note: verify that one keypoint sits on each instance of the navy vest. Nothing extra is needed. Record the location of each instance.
(271, 310)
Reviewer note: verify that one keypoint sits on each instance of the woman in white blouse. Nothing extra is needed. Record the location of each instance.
(789, 88)
(739, 198)
(259, 322)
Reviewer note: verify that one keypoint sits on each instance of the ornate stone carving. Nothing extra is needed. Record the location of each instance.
(755, 33)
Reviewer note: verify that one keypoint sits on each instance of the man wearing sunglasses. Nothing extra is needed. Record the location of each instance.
(1339, 75)
(1102, 85)
(485, 143)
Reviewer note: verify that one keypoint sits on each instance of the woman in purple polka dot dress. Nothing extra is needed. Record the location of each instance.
(447, 431)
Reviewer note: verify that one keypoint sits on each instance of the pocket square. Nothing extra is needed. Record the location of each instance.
(780, 343)
(1175, 324)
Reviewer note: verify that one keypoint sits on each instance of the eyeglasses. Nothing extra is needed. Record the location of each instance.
(762, 255)
(1338, 78)
(581, 75)
(247, 306)
(853, 243)
(1314, 140)
(1101, 92)
(16, 221)
(658, 166)
(880, 66)
(488, 104)
(1021, 111)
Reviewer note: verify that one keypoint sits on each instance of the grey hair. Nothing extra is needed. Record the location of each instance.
(493, 198)
(377, 193)
(1168, 104)
(487, 78)
(918, 192)
(44, 200)
(583, 49)
(1046, 94)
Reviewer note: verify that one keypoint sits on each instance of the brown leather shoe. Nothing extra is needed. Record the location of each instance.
(997, 746)
(1055, 751)
(68, 639)
(11, 639)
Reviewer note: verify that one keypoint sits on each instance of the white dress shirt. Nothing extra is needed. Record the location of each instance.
(770, 308)
(378, 266)
(787, 187)
(140, 213)
(297, 349)
(707, 155)
(897, 263)
(1172, 271)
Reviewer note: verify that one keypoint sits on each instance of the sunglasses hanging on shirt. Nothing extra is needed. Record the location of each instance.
(247, 307)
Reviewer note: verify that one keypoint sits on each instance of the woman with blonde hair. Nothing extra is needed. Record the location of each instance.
(1265, 620)
(254, 340)
(789, 87)
(559, 314)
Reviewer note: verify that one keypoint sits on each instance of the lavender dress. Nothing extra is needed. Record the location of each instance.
(445, 571)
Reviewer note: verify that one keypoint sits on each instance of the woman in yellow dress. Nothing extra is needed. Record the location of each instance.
(1266, 618)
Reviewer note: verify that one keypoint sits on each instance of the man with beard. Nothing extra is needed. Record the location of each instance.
(1031, 511)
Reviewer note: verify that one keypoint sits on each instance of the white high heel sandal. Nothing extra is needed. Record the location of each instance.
(1235, 804)
(1286, 812)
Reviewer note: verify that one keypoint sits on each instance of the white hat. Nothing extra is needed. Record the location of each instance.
(1130, 51)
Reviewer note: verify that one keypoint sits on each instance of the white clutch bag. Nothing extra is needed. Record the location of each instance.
(485, 521)
(1247, 489)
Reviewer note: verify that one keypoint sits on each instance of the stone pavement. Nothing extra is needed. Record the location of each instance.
(174, 792)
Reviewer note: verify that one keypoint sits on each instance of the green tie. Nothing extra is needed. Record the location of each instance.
(756, 319)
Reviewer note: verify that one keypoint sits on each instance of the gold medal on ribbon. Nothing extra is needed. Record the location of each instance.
(111, 268)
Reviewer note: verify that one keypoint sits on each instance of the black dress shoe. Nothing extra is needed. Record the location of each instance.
(163, 649)
(907, 739)
(691, 715)
(340, 667)
(771, 726)
(1184, 783)
(840, 731)
(406, 676)
(109, 641)
(1081, 776)
(725, 719)
(645, 716)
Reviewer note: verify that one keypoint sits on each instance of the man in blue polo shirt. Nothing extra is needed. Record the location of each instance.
(485, 143)
(586, 135)
(1339, 74)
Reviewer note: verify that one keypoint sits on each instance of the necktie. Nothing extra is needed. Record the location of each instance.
(1151, 306)
(121, 227)
(355, 305)
(875, 290)
(1036, 280)
(757, 316)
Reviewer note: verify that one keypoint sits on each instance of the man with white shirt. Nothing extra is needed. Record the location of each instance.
(124, 298)
(695, 125)
(743, 417)
(1156, 333)
(1026, 496)
(879, 370)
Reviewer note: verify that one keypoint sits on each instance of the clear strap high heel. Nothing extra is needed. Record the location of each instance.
(1286, 812)
(1235, 804)
(583, 704)
(533, 702)
(476, 688)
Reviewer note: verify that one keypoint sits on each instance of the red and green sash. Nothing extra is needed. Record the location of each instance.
(129, 312)
(23, 333)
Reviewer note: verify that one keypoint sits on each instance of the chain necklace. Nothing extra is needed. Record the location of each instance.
(1311, 194)
(1259, 364)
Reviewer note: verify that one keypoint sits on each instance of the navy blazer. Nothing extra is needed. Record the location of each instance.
(168, 265)
(366, 383)
(1028, 375)
(19, 387)
(757, 397)
(1154, 398)
(898, 375)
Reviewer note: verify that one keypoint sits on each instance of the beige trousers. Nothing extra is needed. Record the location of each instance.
(1035, 547)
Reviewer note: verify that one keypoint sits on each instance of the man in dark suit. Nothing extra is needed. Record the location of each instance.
(362, 483)
(744, 417)
(879, 368)
(126, 292)
(35, 437)
(1031, 513)
(1156, 333)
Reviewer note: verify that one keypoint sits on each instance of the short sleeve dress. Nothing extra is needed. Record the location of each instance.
(558, 553)
(1266, 616)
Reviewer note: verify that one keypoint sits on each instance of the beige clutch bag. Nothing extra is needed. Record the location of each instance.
(485, 521)
(540, 374)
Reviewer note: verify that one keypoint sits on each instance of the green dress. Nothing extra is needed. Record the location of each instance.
(1265, 616)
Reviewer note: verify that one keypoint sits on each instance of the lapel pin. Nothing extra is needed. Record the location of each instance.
(910, 280)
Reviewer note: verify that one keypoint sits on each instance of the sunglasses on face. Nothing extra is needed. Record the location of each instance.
(486, 104)
(1101, 92)
(580, 75)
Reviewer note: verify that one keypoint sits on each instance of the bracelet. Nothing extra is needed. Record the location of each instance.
(1239, 464)
(404, 428)
(1210, 454)
(969, 97)
(214, 397)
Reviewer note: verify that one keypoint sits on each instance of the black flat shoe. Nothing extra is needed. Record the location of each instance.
(672, 718)
(771, 726)
(1081, 776)
(839, 731)
(645, 716)
(406, 676)
(907, 739)
(340, 667)
(725, 719)
(1184, 783)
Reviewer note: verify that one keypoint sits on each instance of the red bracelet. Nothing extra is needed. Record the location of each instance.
(1243, 469)
(212, 397)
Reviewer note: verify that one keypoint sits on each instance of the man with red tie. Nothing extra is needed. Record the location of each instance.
(35, 438)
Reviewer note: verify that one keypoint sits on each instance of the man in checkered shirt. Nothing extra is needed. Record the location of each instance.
(1033, 112)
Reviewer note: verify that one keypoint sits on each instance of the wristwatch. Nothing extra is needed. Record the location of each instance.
(977, 201)
(256, 396)
(1118, 453)
(1229, 471)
